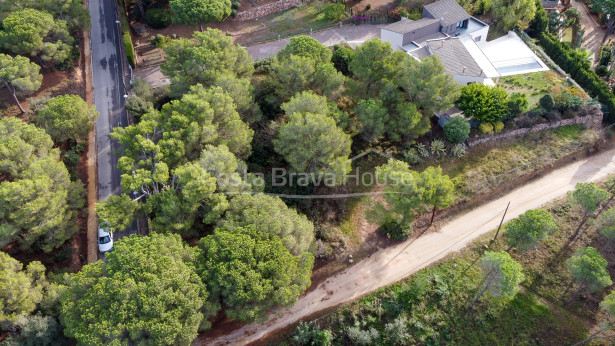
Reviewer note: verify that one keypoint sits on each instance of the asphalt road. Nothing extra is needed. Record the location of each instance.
(108, 83)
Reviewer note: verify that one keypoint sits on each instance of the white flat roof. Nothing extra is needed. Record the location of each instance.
(510, 56)
(481, 59)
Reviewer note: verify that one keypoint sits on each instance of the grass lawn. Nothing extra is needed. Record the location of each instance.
(534, 85)
(431, 306)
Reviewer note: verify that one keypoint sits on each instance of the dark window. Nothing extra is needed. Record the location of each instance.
(104, 240)
(477, 38)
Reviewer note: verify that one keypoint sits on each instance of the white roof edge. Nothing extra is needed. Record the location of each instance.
(479, 57)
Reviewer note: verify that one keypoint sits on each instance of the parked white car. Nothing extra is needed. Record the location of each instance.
(105, 239)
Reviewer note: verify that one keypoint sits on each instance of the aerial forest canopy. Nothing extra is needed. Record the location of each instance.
(38, 201)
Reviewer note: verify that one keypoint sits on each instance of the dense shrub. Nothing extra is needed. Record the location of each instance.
(524, 121)
(486, 128)
(342, 56)
(547, 102)
(566, 101)
(602, 70)
(553, 116)
(580, 71)
(335, 12)
(130, 49)
(393, 230)
(158, 18)
(457, 129)
(498, 126)
(517, 105)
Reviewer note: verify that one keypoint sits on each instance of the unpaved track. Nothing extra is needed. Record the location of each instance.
(395, 263)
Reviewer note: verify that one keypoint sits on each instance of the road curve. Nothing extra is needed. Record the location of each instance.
(395, 263)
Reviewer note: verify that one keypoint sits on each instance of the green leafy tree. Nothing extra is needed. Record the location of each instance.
(517, 105)
(547, 102)
(312, 143)
(588, 269)
(20, 289)
(242, 93)
(307, 47)
(606, 225)
(501, 273)
(403, 194)
(335, 12)
(587, 197)
(437, 189)
(203, 59)
(513, 13)
(67, 117)
(299, 73)
(117, 212)
(37, 330)
(36, 33)
(525, 232)
(38, 202)
(269, 214)
(342, 56)
(607, 7)
(373, 65)
(457, 129)
(69, 10)
(19, 76)
(373, 117)
(190, 12)
(483, 103)
(147, 291)
(306, 102)
(249, 271)
(608, 306)
(540, 23)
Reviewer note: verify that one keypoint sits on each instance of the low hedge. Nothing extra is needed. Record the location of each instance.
(130, 49)
(580, 71)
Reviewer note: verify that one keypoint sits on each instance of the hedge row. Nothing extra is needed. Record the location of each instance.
(582, 73)
(130, 49)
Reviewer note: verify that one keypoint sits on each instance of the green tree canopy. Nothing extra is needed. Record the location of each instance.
(513, 14)
(517, 104)
(312, 143)
(38, 202)
(20, 289)
(35, 33)
(606, 225)
(67, 117)
(147, 291)
(342, 56)
(249, 271)
(69, 10)
(19, 76)
(482, 102)
(269, 214)
(299, 73)
(308, 47)
(373, 117)
(501, 273)
(306, 102)
(607, 7)
(374, 64)
(525, 232)
(190, 12)
(587, 197)
(203, 59)
(437, 189)
(457, 129)
(588, 269)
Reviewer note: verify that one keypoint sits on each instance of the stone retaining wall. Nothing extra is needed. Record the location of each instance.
(267, 9)
(592, 120)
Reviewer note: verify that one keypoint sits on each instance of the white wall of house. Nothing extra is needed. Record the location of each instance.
(395, 39)
(480, 36)
(464, 80)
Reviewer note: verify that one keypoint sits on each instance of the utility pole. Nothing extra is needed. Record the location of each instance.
(501, 222)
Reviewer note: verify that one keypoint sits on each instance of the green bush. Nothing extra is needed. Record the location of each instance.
(457, 129)
(486, 128)
(498, 126)
(130, 49)
(393, 230)
(602, 70)
(236, 5)
(158, 18)
(335, 12)
(579, 70)
(342, 56)
(547, 102)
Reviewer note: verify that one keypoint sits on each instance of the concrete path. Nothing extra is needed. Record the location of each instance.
(398, 262)
(354, 35)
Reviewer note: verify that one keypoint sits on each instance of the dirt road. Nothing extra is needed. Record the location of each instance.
(395, 263)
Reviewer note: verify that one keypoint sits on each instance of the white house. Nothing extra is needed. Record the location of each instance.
(460, 42)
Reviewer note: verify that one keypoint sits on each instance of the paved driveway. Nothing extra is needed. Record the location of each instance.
(354, 35)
